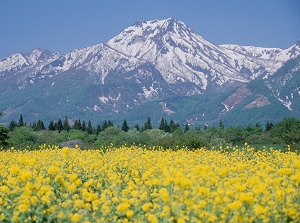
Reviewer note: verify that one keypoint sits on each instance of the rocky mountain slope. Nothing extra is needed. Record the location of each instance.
(148, 62)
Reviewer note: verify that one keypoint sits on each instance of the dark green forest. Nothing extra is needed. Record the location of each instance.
(168, 134)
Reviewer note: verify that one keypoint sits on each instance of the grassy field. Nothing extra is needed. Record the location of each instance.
(139, 184)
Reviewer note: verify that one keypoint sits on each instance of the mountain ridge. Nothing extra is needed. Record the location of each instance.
(150, 60)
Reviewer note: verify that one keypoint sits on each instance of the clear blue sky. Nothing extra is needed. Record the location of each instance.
(63, 25)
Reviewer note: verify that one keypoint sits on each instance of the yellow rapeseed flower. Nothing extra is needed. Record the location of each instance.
(129, 213)
(136, 184)
(60, 215)
(14, 169)
(52, 170)
(123, 206)
(152, 218)
(2, 216)
(212, 218)
(66, 150)
(76, 217)
(259, 209)
(146, 207)
(235, 205)
(164, 195)
(23, 207)
(73, 177)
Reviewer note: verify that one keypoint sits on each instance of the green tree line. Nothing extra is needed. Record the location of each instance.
(168, 134)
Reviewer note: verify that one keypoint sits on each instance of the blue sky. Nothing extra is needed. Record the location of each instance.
(63, 25)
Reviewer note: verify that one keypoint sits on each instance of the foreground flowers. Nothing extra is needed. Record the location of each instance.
(149, 185)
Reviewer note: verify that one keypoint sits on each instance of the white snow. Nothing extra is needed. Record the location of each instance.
(176, 54)
(253, 51)
(151, 92)
(96, 108)
(115, 98)
(179, 54)
(12, 62)
(226, 109)
(103, 99)
(286, 103)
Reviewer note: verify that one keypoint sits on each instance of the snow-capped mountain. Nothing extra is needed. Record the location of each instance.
(285, 84)
(252, 51)
(275, 54)
(177, 52)
(181, 55)
(150, 60)
(19, 61)
(271, 58)
(290, 53)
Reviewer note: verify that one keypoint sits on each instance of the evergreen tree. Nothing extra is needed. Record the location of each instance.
(40, 125)
(148, 124)
(125, 127)
(288, 130)
(33, 125)
(221, 125)
(104, 125)
(137, 127)
(51, 126)
(251, 130)
(21, 122)
(268, 126)
(110, 123)
(89, 128)
(83, 126)
(12, 125)
(3, 135)
(66, 125)
(259, 127)
(166, 126)
(186, 128)
(173, 126)
(77, 125)
(98, 129)
(59, 126)
(162, 124)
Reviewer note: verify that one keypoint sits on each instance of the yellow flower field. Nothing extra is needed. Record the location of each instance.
(149, 185)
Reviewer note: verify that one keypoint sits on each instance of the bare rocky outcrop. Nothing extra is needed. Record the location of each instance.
(260, 101)
(73, 143)
(236, 98)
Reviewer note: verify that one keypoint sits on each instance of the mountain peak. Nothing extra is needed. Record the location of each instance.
(38, 55)
(36, 51)
(172, 21)
(150, 60)
(144, 36)
(174, 25)
(164, 25)
(156, 21)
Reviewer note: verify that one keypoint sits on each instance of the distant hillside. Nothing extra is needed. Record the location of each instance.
(153, 68)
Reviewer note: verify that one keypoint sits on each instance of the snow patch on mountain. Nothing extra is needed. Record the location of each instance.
(253, 51)
(163, 57)
(103, 99)
(289, 53)
(287, 103)
(13, 62)
(176, 51)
